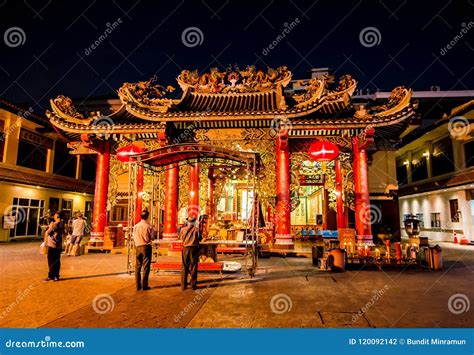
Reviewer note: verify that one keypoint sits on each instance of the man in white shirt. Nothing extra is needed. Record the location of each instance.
(143, 233)
(78, 227)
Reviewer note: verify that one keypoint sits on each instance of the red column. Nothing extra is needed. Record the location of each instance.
(170, 223)
(210, 198)
(193, 201)
(99, 212)
(283, 237)
(139, 200)
(341, 223)
(361, 187)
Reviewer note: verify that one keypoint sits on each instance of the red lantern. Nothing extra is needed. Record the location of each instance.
(323, 151)
(125, 154)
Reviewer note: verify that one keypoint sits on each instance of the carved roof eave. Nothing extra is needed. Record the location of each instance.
(343, 123)
(57, 111)
(401, 116)
(160, 105)
(68, 127)
(322, 95)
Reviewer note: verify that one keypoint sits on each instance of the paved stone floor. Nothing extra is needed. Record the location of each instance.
(95, 291)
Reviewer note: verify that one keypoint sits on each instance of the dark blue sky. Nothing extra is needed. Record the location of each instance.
(148, 41)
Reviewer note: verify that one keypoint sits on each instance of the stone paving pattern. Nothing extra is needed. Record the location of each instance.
(318, 299)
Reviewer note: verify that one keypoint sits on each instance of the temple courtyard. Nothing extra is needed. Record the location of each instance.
(96, 291)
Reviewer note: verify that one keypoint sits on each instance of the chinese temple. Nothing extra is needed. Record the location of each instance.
(234, 142)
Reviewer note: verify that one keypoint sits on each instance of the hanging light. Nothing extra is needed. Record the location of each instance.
(124, 154)
(323, 152)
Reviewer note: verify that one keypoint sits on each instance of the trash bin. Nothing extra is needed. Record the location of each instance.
(317, 252)
(435, 257)
(337, 260)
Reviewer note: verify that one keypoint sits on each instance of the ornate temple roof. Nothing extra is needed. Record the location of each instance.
(250, 97)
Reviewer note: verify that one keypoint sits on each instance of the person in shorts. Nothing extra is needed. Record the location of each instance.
(78, 227)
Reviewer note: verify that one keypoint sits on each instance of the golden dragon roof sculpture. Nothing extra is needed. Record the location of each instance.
(249, 94)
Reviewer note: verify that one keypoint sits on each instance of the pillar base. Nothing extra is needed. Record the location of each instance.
(170, 237)
(284, 241)
(97, 235)
(365, 239)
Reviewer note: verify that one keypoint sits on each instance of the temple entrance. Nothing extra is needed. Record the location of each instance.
(230, 199)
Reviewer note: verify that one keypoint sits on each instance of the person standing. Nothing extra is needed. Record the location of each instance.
(78, 227)
(191, 237)
(142, 236)
(54, 241)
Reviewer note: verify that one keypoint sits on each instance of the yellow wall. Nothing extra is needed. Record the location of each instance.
(8, 191)
(382, 172)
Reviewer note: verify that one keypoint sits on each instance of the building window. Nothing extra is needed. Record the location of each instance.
(88, 211)
(27, 213)
(419, 167)
(2, 139)
(402, 174)
(66, 207)
(419, 216)
(442, 158)
(64, 163)
(118, 213)
(33, 150)
(88, 167)
(436, 220)
(469, 153)
(31, 156)
(454, 210)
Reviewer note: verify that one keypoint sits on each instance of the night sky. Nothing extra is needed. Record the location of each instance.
(56, 58)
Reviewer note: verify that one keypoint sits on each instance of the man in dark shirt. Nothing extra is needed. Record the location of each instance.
(191, 237)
